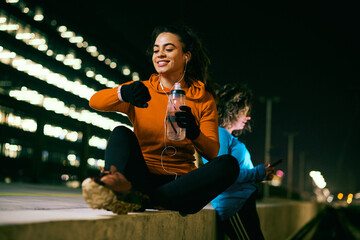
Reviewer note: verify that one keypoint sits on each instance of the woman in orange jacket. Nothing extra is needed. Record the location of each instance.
(143, 168)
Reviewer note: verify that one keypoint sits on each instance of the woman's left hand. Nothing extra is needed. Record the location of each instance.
(185, 119)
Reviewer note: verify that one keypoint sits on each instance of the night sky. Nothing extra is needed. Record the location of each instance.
(305, 53)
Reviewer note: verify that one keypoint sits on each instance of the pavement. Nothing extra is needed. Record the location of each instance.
(22, 203)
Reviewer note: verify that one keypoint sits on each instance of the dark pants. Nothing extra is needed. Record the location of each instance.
(189, 193)
(245, 224)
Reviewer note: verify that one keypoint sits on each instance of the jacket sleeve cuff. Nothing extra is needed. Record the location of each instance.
(119, 94)
(261, 172)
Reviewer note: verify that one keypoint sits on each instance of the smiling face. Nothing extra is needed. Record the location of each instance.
(168, 56)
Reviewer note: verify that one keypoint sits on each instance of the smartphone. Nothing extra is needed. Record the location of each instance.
(275, 163)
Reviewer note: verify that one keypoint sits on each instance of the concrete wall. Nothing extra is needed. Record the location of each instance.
(278, 221)
(282, 220)
(150, 225)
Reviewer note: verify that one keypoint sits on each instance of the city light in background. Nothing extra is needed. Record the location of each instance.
(75, 78)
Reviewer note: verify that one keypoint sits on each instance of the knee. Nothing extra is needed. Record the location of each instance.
(120, 134)
(230, 165)
(121, 130)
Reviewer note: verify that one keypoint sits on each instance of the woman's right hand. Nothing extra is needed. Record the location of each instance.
(136, 93)
(116, 181)
(269, 171)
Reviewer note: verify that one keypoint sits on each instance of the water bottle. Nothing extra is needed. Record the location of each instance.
(176, 99)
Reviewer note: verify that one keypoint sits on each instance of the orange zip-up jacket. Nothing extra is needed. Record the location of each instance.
(149, 127)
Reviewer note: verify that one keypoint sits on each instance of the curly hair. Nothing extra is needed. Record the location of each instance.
(232, 100)
(198, 66)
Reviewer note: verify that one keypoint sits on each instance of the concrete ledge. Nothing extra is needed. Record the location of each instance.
(279, 220)
(44, 212)
(148, 225)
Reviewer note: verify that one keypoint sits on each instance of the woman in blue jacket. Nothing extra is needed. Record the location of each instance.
(236, 207)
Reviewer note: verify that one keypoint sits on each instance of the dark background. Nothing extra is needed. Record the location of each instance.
(305, 53)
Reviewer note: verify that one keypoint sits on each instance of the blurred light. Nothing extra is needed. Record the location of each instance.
(37, 41)
(135, 76)
(98, 163)
(60, 57)
(318, 179)
(39, 15)
(101, 57)
(101, 163)
(60, 133)
(90, 74)
(60, 81)
(76, 39)
(72, 158)
(125, 70)
(330, 198)
(91, 49)
(65, 177)
(7, 180)
(43, 47)
(279, 173)
(340, 196)
(24, 36)
(98, 142)
(2, 20)
(99, 77)
(67, 34)
(11, 150)
(350, 195)
(49, 52)
(53, 104)
(9, 27)
(73, 184)
(111, 84)
(5, 54)
(326, 192)
(91, 161)
(94, 54)
(349, 200)
(113, 65)
(107, 61)
(357, 195)
(62, 29)
(12, 1)
(26, 124)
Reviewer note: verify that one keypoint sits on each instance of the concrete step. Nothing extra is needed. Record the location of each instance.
(51, 212)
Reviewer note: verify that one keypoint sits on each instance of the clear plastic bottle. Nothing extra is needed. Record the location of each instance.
(176, 99)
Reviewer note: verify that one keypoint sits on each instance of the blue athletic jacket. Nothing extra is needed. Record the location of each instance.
(231, 200)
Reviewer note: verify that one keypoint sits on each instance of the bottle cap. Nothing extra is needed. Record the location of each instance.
(177, 86)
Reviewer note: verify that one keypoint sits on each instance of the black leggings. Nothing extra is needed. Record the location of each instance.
(189, 193)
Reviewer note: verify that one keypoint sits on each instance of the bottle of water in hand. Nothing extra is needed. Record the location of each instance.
(176, 99)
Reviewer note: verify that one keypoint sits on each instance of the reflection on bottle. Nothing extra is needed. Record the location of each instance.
(176, 99)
